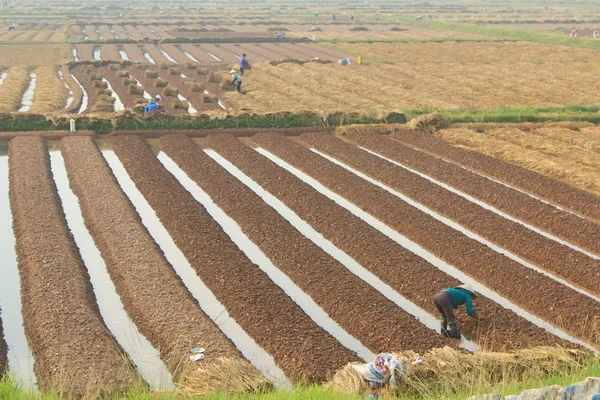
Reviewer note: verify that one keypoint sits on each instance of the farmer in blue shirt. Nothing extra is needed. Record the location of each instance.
(449, 300)
(152, 105)
(237, 79)
(243, 63)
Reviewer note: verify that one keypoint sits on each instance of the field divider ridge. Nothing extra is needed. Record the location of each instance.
(303, 350)
(153, 295)
(282, 237)
(559, 305)
(59, 308)
(557, 193)
(564, 227)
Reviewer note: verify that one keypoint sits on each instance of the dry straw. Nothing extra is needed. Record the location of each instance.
(180, 104)
(11, 92)
(197, 87)
(449, 368)
(50, 94)
(170, 91)
(429, 123)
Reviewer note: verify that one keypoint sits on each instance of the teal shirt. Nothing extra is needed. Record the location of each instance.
(237, 78)
(460, 297)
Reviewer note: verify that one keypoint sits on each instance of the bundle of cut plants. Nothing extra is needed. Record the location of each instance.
(224, 375)
(174, 71)
(429, 123)
(135, 89)
(216, 78)
(180, 104)
(123, 74)
(160, 83)
(151, 74)
(460, 370)
(228, 85)
(170, 91)
(197, 87)
(382, 129)
(209, 98)
(201, 71)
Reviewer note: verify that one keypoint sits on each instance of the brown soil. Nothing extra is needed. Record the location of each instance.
(238, 132)
(136, 35)
(110, 52)
(224, 35)
(105, 32)
(309, 52)
(226, 56)
(61, 318)
(251, 55)
(198, 54)
(561, 260)
(302, 349)
(259, 53)
(175, 53)
(193, 97)
(48, 135)
(552, 302)
(90, 32)
(88, 85)
(568, 197)
(399, 268)
(85, 52)
(341, 294)
(135, 53)
(148, 84)
(77, 93)
(116, 82)
(155, 54)
(3, 351)
(153, 295)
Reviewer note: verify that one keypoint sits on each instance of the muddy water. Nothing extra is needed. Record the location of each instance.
(489, 208)
(167, 56)
(458, 227)
(350, 263)
(421, 252)
(191, 57)
(123, 55)
(150, 59)
(253, 252)
(84, 98)
(141, 352)
(27, 100)
(20, 359)
(213, 56)
(97, 53)
(206, 299)
(118, 103)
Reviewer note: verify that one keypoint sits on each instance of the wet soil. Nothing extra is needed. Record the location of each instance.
(561, 194)
(116, 82)
(200, 133)
(61, 317)
(500, 329)
(193, 97)
(110, 52)
(153, 295)
(175, 53)
(561, 260)
(88, 85)
(303, 350)
(553, 302)
(48, 135)
(338, 291)
(134, 53)
(85, 52)
(156, 55)
(198, 53)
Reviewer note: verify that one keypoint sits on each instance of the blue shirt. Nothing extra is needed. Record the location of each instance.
(151, 106)
(460, 297)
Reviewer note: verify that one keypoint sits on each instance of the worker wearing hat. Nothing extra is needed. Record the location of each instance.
(449, 300)
(152, 105)
(237, 79)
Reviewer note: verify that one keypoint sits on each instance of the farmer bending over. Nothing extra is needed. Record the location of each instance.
(449, 300)
(385, 369)
(237, 79)
(152, 105)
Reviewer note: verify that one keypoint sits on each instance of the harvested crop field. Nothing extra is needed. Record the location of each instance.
(303, 244)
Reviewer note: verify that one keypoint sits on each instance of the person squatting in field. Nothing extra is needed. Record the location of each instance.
(243, 63)
(152, 105)
(449, 300)
(385, 369)
(237, 79)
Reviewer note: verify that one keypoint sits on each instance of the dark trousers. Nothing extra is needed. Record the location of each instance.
(239, 87)
(242, 69)
(443, 302)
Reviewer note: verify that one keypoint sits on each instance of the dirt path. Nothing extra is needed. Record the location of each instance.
(341, 295)
(561, 194)
(399, 268)
(551, 301)
(562, 261)
(61, 317)
(301, 349)
(155, 298)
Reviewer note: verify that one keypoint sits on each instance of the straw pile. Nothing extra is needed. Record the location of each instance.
(77, 92)
(180, 104)
(50, 93)
(11, 91)
(135, 89)
(100, 84)
(128, 81)
(429, 123)
(453, 369)
(105, 103)
(160, 83)
(197, 87)
(151, 74)
(164, 65)
(100, 92)
(201, 71)
(114, 67)
(123, 74)
(209, 98)
(381, 129)
(575, 169)
(170, 91)
(216, 78)
(224, 375)
(228, 85)
(174, 71)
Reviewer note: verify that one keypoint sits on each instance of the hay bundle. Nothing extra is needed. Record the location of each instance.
(396, 29)
(201, 71)
(95, 76)
(216, 78)
(100, 92)
(50, 93)
(174, 71)
(381, 129)
(359, 29)
(103, 107)
(209, 98)
(189, 65)
(135, 89)
(315, 29)
(449, 368)
(106, 98)
(88, 71)
(143, 67)
(197, 87)
(160, 83)
(429, 123)
(278, 29)
(164, 65)
(224, 375)
(123, 74)
(114, 67)
(170, 91)
(128, 81)
(228, 85)
(151, 74)
(180, 104)
(125, 63)
(100, 84)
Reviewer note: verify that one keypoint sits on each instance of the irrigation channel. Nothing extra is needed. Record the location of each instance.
(27, 100)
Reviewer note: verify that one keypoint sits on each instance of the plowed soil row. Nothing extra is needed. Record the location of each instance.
(148, 84)
(193, 97)
(88, 85)
(302, 349)
(3, 351)
(60, 313)
(198, 133)
(198, 53)
(552, 301)
(340, 294)
(560, 223)
(392, 263)
(85, 52)
(155, 53)
(153, 295)
(134, 53)
(48, 135)
(561, 194)
(561, 260)
(116, 82)
(109, 52)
